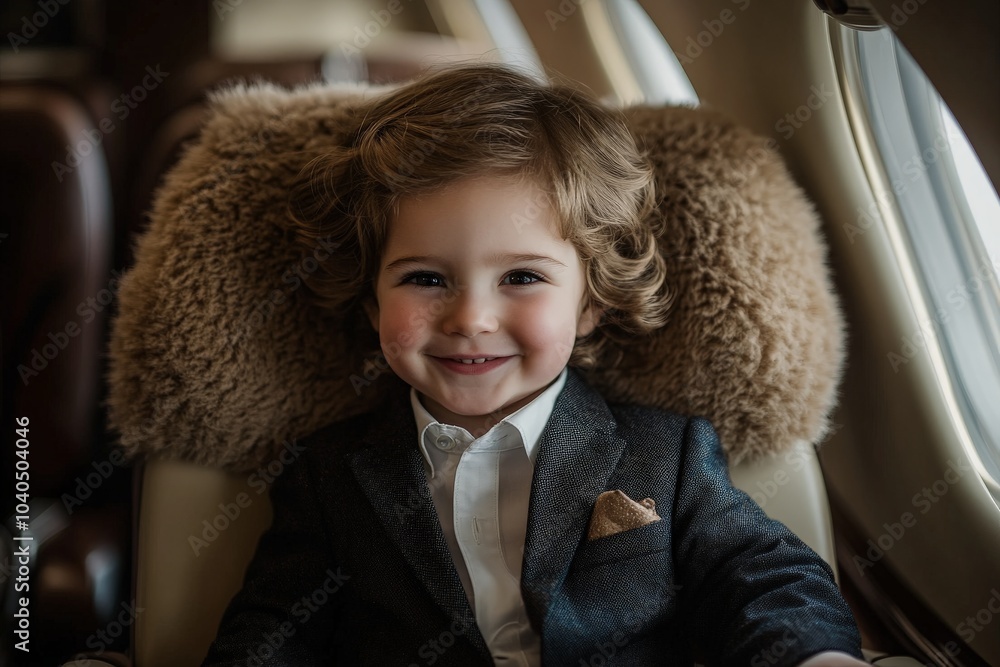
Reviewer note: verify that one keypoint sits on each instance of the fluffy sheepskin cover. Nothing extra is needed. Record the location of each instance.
(217, 357)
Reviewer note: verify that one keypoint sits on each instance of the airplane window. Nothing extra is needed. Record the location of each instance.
(657, 71)
(926, 176)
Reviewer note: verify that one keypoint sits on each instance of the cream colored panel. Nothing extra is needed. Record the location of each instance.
(789, 488)
(192, 555)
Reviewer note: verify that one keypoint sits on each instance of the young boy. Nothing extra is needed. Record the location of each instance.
(496, 509)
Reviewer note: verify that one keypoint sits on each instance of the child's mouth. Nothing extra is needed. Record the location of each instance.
(471, 366)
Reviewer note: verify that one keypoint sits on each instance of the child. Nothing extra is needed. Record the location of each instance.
(497, 509)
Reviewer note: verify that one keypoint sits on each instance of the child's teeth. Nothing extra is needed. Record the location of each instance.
(477, 361)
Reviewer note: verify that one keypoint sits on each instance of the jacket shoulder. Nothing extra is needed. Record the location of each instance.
(345, 428)
(633, 418)
(341, 437)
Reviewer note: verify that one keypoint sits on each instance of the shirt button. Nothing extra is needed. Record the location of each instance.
(445, 442)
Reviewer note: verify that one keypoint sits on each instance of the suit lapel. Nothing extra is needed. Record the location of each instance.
(390, 469)
(577, 454)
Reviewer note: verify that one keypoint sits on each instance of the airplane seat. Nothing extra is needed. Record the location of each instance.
(73, 74)
(56, 250)
(218, 360)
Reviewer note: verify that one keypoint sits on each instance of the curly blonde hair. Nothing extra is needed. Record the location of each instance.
(484, 119)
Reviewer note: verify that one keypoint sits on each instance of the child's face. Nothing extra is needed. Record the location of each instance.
(454, 297)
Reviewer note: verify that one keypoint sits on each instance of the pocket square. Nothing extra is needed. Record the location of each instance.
(614, 512)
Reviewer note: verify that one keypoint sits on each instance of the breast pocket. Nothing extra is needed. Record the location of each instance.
(622, 547)
(624, 582)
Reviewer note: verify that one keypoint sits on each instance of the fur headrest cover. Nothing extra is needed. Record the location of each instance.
(217, 357)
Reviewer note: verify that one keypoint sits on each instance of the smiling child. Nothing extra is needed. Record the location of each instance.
(494, 232)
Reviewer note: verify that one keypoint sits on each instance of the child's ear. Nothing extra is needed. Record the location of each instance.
(371, 310)
(589, 319)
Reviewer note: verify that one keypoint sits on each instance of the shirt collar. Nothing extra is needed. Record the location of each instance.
(528, 422)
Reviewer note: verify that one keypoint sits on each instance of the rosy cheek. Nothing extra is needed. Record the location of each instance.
(404, 322)
(541, 324)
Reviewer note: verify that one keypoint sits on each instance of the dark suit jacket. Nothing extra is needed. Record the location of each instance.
(355, 569)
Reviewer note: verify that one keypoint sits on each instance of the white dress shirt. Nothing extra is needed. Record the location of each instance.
(480, 489)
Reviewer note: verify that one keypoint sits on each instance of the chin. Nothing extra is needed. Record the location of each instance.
(474, 410)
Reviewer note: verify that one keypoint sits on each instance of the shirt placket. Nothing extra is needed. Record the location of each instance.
(477, 529)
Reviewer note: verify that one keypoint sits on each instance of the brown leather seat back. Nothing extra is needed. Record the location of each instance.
(57, 277)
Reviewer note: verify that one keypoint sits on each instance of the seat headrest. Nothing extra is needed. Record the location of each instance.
(218, 357)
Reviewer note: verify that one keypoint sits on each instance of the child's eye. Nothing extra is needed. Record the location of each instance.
(524, 277)
(422, 279)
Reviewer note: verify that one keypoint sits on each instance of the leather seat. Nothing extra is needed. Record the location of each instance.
(56, 267)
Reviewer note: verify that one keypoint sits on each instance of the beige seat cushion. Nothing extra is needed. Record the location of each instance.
(192, 554)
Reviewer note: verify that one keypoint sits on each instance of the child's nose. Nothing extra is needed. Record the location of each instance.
(469, 314)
